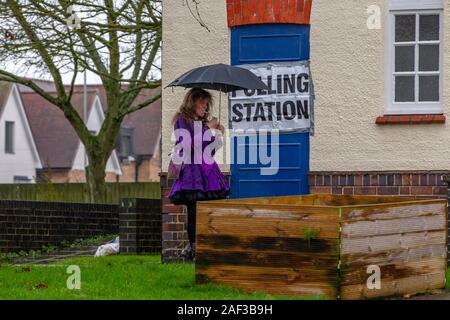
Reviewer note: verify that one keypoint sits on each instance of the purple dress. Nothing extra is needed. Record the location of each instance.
(198, 181)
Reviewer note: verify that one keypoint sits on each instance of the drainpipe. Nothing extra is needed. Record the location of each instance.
(85, 118)
(137, 164)
(446, 178)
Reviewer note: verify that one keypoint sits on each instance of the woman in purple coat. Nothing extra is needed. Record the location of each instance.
(200, 177)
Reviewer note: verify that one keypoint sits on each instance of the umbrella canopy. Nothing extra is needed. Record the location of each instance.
(220, 77)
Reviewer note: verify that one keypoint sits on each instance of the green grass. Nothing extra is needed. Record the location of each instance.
(115, 277)
(6, 258)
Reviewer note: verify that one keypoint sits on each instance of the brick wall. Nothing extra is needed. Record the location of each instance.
(241, 12)
(26, 225)
(148, 171)
(128, 172)
(140, 226)
(416, 183)
(174, 228)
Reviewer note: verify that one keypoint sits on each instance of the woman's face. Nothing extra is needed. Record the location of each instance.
(201, 107)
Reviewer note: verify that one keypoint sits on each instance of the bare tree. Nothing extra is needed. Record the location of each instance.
(119, 40)
(194, 9)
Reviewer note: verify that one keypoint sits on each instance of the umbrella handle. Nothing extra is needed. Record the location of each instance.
(220, 104)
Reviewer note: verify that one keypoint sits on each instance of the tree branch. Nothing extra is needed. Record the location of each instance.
(141, 105)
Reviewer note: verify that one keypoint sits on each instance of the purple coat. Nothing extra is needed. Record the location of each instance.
(196, 176)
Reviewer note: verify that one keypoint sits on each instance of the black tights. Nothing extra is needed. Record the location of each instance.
(191, 209)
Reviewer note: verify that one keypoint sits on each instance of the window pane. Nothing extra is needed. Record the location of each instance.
(22, 179)
(126, 146)
(9, 137)
(404, 58)
(405, 28)
(429, 88)
(429, 57)
(429, 27)
(404, 89)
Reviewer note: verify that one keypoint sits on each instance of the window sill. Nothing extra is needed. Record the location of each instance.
(410, 119)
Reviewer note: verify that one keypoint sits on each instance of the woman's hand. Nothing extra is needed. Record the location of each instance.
(213, 123)
(221, 128)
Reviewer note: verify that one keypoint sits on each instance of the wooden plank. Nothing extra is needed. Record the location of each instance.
(398, 255)
(357, 274)
(265, 259)
(263, 228)
(265, 220)
(268, 281)
(222, 242)
(279, 211)
(268, 216)
(287, 275)
(398, 287)
(268, 287)
(392, 242)
(326, 200)
(393, 211)
(393, 226)
(354, 200)
(292, 200)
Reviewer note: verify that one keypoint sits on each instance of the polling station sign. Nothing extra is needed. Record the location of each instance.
(286, 106)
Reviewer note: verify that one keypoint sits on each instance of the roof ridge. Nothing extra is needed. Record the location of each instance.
(32, 92)
(31, 78)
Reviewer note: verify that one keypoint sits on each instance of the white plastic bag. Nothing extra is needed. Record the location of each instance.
(108, 249)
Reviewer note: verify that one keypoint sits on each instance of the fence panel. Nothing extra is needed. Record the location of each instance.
(77, 192)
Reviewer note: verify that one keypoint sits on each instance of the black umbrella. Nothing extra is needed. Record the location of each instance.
(220, 77)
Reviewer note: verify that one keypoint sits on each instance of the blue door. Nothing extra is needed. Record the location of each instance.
(270, 43)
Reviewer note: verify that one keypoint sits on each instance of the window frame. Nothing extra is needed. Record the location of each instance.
(129, 144)
(22, 180)
(405, 108)
(125, 133)
(12, 149)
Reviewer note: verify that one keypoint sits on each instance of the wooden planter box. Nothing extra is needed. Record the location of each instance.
(323, 244)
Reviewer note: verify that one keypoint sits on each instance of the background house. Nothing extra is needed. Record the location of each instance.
(139, 142)
(19, 157)
(61, 151)
(46, 148)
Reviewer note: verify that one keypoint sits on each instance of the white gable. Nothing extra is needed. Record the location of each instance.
(94, 123)
(24, 161)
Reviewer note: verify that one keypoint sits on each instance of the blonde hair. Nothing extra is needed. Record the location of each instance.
(187, 108)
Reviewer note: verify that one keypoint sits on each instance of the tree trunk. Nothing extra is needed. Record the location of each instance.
(95, 178)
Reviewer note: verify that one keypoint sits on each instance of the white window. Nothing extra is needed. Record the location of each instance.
(9, 137)
(22, 179)
(415, 57)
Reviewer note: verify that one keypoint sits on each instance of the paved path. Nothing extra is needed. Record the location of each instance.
(57, 256)
(435, 295)
(443, 295)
